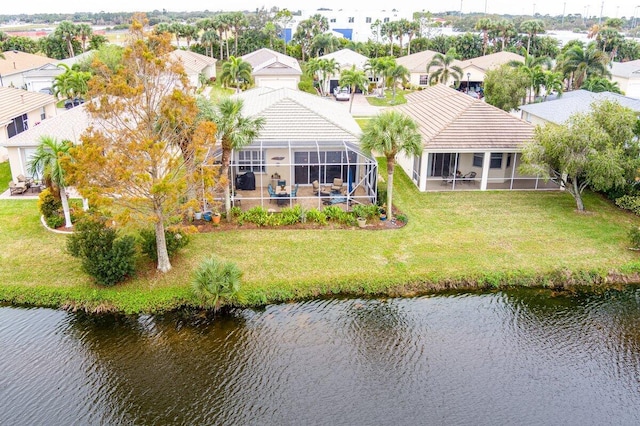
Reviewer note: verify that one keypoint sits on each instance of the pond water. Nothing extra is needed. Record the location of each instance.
(513, 357)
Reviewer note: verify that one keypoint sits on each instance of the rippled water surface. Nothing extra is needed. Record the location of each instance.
(521, 357)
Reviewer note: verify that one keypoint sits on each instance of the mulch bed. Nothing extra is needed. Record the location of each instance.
(372, 225)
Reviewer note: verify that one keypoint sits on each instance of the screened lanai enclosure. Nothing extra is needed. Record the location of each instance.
(309, 173)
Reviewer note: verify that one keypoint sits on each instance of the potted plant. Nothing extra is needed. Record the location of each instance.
(362, 221)
(198, 215)
(383, 212)
(215, 216)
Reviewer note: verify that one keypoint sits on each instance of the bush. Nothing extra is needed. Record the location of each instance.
(175, 238)
(257, 215)
(316, 216)
(368, 211)
(629, 202)
(215, 281)
(333, 213)
(307, 86)
(48, 204)
(105, 257)
(634, 237)
(382, 196)
(54, 221)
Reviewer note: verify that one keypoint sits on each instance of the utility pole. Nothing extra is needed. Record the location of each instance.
(600, 19)
(564, 9)
(460, 8)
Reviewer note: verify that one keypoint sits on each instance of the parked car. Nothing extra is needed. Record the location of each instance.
(342, 93)
(70, 103)
(46, 90)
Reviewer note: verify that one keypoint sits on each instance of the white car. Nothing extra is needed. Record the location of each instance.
(342, 93)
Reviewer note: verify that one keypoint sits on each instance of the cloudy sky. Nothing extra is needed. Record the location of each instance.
(610, 8)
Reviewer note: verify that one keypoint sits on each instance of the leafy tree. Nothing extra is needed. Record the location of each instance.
(284, 17)
(353, 79)
(597, 150)
(578, 64)
(236, 72)
(445, 69)
(391, 133)
(48, 162)
(96, 41)
(505, 87)
(132, 158)
(234, 131)
(67, 31)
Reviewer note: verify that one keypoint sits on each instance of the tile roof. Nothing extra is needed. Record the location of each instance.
(577, 101)
(449, 119)
(15, 62)
(625, 69)
(294, 115)
(267, 61)
(346, 58)
(491, 61)
(14, 102)
(192, 62)
(67, 125)
(417, 62)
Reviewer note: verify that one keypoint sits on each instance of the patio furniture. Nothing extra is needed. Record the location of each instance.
(17, 188)
(337, 185)
(272, 193)
(317, 190)
(469, 177)
(294, 192)
(26, 180)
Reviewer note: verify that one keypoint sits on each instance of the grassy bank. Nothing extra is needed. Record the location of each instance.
(464, 239)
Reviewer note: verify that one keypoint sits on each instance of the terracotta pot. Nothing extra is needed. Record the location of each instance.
(215, 218)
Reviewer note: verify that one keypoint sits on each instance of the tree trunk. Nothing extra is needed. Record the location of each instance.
(164, 265)
(390, 167)
(65, 207)
(577, 195)
(353, 95)
(221, 47)
(224, 174)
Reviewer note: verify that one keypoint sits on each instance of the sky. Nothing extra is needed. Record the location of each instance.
(611, 8)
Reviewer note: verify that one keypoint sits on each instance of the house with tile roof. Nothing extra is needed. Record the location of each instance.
(15, 63)
(417, 63)
(273, 69)
(305, 138)
(466, 135)
(474, 70)
(345, 58)
(627, 75)
(559, 110)
(21, 110)
(195, 65)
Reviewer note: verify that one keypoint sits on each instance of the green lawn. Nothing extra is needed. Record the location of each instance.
(5, 176)
(451, 240)
(388, 99)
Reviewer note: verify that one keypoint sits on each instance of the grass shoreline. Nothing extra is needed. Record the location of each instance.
(452, 241)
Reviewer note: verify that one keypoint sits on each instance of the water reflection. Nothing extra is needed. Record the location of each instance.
(532, 357)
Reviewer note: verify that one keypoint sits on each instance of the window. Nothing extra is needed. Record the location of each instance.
(43, 114)
(477, 160)
(17, 125)
(251, 160)
(332, 20)
(496, 160)
(417, 162)
(351, 19)
(508, 160)
(367, 20)
(424, 79)
(385, 20)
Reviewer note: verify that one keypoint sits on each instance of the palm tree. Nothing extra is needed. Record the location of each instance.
(208, 38)
(506, 29)
(412, 29)
(47, 162)
(325, 43)
(391, 133)
(233, 131)
(235, 71)
(484, 25)
(579, 64)
(328, 67)
(237, 23)
(600, 84)
(395, 74)
(85, 32)
(68, 31)
(71, 83)
(218, 23)
(533, 67)
(354, 79)
(531, 28)
(446, 70)
(552, 83)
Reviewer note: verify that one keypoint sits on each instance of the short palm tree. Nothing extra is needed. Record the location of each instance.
(235, 72)
(234, 131)
(395, 74)
(445, 68)
(215, 281)
(391, 133)
(47, 162)
(353, 79)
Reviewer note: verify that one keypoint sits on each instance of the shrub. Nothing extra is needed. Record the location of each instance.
(215, 281)
(290, 215)
(257, 215)
(368, 211)
(307, 86)
(316, 216)
(332, 213)
(54, 221)
(634, 237)
(382, 195)
(629, 202)
(48, 204)
(104, 256)
(175, 238)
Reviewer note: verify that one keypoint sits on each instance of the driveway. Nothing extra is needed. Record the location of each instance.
(361, 107)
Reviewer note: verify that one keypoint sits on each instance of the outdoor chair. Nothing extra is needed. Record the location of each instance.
(337, 185)
(272, 193)
(26, 180)
(469, 177)
(317, 190)
(17, 188)
(294, 191)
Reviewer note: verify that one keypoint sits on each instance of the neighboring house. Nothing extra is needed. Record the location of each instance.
(41, 78)
(559, 110)
(22, 112)
(417, 63)
(474, 70)
(627, 75)
(195, 65)
(305, 139)
(16, 63)
(345, 58)
(273, 69)
(464, 134)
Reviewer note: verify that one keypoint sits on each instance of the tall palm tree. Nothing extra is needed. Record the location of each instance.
(413, 28)
(446, 70)
(391, 133)
(47, 162)
(328, 67)
(531, 28)
(208, 38)
(71, 83)
(484, 25)
(84, 32)
(235, 71)
(354, 79)
(578, 64)
(68, 31)
(237, 23)
(234, 131)
(395, 74)
(534, 68)
(506, 29)
(218, 23)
